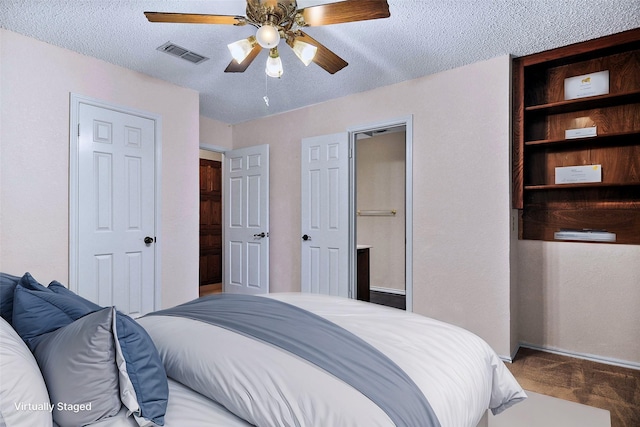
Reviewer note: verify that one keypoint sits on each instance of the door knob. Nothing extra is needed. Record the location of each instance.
(306, 237)
(148, 240)
(261, 235)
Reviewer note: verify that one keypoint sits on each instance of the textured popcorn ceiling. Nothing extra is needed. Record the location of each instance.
(421, 37)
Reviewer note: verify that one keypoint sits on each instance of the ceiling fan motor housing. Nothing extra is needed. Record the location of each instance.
(280, 13)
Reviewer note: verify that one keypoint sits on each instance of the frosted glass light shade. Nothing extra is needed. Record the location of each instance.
(242, 48)
(274, 64)
(305, 51)
(268, 36)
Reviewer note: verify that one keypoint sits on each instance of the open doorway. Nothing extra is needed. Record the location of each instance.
(211, 248)
(381, 203)
(380, 215)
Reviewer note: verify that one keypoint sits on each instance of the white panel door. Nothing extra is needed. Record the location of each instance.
(325, 215)
(116, 209)
(246, 202)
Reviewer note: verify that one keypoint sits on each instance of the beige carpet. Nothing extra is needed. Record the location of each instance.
(539, 410)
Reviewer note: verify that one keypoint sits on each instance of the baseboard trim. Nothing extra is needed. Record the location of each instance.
(509, 359)
(388, 290)
(584, 356)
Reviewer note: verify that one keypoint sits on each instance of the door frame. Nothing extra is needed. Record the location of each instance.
(74, 205)
(406, 121)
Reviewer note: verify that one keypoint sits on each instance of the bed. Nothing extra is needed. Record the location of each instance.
(232, 360)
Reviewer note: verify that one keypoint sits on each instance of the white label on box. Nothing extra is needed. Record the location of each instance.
(578, 174)
(580, 133)
(588, 236)
(586, 85)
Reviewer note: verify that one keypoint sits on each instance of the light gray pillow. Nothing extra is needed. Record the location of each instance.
(23, 394)
(78, 363)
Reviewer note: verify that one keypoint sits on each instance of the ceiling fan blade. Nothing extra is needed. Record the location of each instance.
(325, 58)
(345, 11)
(235, 67)
(193, 18)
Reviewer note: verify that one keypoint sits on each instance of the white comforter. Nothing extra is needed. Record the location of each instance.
(185, 408)
(459, 374)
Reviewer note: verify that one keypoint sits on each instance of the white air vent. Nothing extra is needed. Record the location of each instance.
(180, 52)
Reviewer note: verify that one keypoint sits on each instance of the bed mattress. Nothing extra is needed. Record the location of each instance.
(458, 373)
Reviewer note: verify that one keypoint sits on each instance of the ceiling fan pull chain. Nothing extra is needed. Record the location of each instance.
(266, 90)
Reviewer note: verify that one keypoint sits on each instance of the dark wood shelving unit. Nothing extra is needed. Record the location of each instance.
(541, 116)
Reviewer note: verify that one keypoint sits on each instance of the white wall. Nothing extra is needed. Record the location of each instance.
(211, 155)
(36, 80)
(581, 298)
(461, 176)
(215, 134)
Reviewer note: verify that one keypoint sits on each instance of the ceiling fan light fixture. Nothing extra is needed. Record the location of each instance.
(242, 48)
(274, 64)
(268, 36)
(305, 51)
(278, 19)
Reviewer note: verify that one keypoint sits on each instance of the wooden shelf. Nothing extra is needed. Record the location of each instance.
(609, 137)
(578, 185)
(608, 100)
(541, 116)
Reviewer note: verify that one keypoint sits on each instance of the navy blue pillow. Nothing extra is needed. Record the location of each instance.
(144, 368)
(60, 289)
(39, 310)
(29, 282)
(42, 311)
(7, 287)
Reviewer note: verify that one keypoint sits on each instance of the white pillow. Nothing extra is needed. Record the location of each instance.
(23, 394)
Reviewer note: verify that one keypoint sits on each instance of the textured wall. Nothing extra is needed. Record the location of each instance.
(581, 298)
(461, 178)
(36, 81)
(215, 134)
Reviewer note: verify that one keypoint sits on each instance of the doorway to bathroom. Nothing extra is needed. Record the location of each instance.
(381, 213)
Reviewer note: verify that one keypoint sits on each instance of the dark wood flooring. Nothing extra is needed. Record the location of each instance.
(390, 300)
(599, 385)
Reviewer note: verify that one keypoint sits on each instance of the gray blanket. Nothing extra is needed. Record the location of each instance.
(321, 342)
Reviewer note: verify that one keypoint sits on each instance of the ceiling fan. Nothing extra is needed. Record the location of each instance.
(281, 19)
